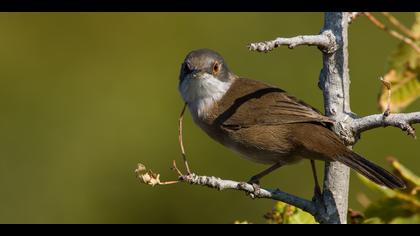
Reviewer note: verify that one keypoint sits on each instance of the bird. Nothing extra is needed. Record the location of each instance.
(263, 123)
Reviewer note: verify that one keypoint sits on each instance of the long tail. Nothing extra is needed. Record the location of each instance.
(371, 170)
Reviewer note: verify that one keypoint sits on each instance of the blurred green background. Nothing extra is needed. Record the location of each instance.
(84, 97)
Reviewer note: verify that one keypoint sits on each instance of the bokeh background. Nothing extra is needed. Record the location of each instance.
(84, 97)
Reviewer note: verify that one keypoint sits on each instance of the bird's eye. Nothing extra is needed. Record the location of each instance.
(216, 68)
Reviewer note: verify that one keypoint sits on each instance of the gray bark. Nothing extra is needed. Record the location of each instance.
(335, 83)
(251, 190)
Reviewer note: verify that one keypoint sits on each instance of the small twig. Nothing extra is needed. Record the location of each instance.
(174, 167)
(391, 32)
(394, 21)
(180, 138)
(169, 182)
(149, 177)
(353, 16)
(388, 103)
(324, 41)
(403, 121)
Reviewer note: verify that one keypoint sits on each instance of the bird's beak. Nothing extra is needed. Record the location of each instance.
(197, 74)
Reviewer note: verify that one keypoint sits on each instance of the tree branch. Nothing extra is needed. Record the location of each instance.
(391, 32)
(335, 84)
(220, 184)
(324, 41)
(394, 21)
(403, 121)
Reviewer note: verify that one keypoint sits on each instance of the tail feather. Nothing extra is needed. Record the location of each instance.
(371, 170)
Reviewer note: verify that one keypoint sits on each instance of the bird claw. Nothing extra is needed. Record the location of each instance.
(255, 182)
(254, 193)
(257, 190)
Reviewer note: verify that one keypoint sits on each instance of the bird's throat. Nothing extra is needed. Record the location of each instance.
(202, 94)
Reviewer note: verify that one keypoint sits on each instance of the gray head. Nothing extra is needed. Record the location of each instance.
(204, 79)
(204, 61)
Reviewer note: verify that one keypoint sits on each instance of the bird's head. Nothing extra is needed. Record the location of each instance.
(204, 78)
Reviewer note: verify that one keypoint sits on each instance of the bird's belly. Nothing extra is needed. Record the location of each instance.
(268, 158)
(264, 144)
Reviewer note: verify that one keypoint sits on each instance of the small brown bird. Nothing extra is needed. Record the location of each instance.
(263, 123)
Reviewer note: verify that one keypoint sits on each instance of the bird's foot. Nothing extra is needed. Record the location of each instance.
(255, 182)
(255, 192)
(317, 194)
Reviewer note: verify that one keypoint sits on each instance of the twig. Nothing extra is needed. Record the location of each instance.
(180, 138)
(174, 167)
(353, 16)
(391, 32)
(324, 41)
(221, 184)
(388, 102)
(403, 121)
(149, 177)
(394, 21)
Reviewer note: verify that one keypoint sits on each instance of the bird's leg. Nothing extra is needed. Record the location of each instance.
(317, 190)
(256, 178)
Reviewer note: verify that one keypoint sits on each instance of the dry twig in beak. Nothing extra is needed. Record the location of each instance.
(181, 143)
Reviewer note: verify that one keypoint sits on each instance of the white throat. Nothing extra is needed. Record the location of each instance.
(202, 93)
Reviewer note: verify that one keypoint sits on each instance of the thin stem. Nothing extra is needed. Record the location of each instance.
(391, 32)
(180, 138)
(400, 26)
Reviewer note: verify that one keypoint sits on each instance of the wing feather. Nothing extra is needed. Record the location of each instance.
(259, 104)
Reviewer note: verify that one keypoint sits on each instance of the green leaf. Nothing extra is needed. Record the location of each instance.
(388, 209)
(416, 25)
(300, 217)
(396, 206)
(287, 214)
(405, 173)
(414, 219)
(403, 75)
(386, 191)
(374, 220)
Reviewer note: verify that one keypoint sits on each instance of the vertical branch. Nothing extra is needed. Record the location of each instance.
(335, 82)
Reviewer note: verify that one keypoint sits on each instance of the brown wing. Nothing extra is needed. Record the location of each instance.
(259, 104)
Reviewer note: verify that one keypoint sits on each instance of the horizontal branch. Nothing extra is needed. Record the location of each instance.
(403, 121)
(220, 184)
(324, 41)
